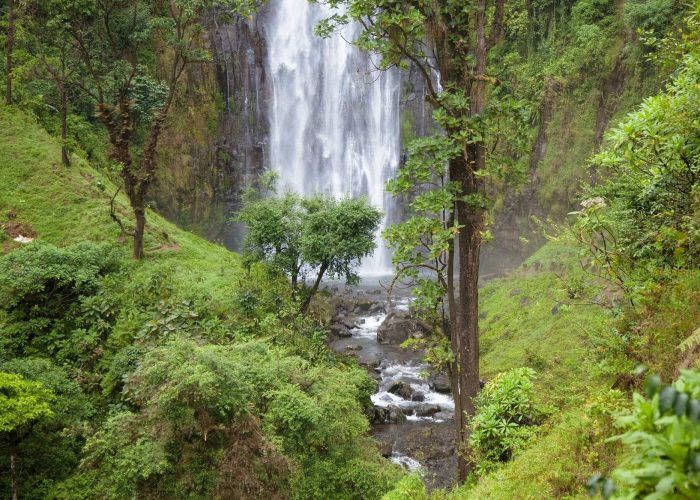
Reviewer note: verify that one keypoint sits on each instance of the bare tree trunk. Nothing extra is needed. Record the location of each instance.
(139, 230)
(13, 472)
(465, 334)
(314, 289)
(9, 50)
(64, 126)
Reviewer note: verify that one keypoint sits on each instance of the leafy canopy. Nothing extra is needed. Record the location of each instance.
(319, 235)
(22, 402)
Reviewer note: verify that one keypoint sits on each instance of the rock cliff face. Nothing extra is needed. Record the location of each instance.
(240, 150)
(221, 142)
(217, 136)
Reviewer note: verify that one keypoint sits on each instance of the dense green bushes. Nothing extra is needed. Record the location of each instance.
(663, 437)
(46, 295)
(505, 419)
(164, 391)
(645, 220)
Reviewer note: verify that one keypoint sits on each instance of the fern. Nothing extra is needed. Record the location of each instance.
(691, 342)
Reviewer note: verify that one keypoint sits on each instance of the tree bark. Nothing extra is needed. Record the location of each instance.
(139, 230)
(64, 126)
(314, 289)
(9, 50)
(13, 472)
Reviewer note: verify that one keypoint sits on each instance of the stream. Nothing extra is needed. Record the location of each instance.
(413, 410)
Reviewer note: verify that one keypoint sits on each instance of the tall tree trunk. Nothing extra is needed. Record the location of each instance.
(465, 334)
(13, 472)
(314, 289)
(139, 230)
(9, 50)
(64, 126)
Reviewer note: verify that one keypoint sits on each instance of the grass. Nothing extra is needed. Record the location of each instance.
(65, 205)
(529, 319)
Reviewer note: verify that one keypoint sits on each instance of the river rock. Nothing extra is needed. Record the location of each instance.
(399, 326)
(402, 389)
(395, 415)
(440, 383)
(353, 347)
(427, 410)
(340, 330)
(385, 448)
(363, 305)
(418, 396)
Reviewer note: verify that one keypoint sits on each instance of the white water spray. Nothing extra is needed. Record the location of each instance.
(334, 118)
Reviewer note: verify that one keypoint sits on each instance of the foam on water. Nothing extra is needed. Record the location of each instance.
(405, 461)
(368, 329)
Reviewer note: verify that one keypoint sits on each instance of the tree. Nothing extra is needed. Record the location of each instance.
(318, 235)
(48, 447)
(116, 43)
(9, 49)
(23, 403)
(453, 40)
(48, 40)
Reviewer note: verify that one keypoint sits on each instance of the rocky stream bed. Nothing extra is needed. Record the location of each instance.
(413, 409)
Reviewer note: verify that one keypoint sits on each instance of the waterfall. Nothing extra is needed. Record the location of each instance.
(334, 118)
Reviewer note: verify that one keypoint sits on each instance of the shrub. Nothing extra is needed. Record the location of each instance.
(645, 219)
(663, 440)
(653, 15)
(505, 418)
(410, 486)
(42, 285)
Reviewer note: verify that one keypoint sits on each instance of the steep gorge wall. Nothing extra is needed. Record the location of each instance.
(220, 140)
(216, 145)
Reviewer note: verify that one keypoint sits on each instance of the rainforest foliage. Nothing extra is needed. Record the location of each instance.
(198, 373)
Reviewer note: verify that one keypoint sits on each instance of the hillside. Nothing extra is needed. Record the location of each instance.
(230, 326)
(469, 241)
(526, 316)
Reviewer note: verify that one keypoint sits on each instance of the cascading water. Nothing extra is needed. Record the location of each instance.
(334, 118)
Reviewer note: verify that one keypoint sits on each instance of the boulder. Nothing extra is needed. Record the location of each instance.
(399, 326)
(418, 396)
(392, 414)
(427, 410)
(402, 389)
(340, 330)
(377, 308)
(395, 415)
(440, 383)
(363, 305)
(353, 347)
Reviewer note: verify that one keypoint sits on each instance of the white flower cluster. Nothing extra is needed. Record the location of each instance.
(597, 202)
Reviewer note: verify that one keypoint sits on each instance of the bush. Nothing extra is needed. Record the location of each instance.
(43, 292)
(645, 220)
(653, 15)
(505, 418)
(409, 487)
(663, 440)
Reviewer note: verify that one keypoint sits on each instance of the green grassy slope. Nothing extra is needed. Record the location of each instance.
(67, 205)
(225, 306)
